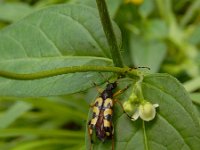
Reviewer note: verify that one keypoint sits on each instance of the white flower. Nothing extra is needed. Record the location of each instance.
(145, 111)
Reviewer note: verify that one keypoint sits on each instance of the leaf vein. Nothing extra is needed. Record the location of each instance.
(152, 141)
(175, 129)
(49, 40)
(18, 43)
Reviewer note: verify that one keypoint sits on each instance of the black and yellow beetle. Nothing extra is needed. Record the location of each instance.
(101, 120)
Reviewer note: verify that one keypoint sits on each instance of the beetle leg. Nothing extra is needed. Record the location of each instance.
(98, 88)
(113, 143)
(92, 105)
(120, 91)
(112, 132)
(122, 108)
(90, 130)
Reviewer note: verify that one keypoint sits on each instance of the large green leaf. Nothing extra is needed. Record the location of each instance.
(63, 35)
(175, 126)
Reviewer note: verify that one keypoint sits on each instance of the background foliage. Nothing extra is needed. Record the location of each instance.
(161, 34)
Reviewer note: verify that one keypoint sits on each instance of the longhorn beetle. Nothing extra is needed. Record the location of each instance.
(101, 120)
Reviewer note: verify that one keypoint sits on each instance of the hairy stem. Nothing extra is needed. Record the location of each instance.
(108, 29)
(65, 70)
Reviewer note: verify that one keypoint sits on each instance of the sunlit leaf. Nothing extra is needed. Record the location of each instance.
(63, 35)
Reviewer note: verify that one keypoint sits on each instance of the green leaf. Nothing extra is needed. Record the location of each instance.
(148, 53)
(11, 12)
(15, 132)
(175, 126)
(13, 113)
(58, 36)
(42, 144)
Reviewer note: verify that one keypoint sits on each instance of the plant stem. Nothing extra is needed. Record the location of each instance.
(65, 70)
(145, 135)
(138, 89)
(108, 29)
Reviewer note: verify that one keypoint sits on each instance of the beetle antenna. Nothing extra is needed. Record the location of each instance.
(142, 67)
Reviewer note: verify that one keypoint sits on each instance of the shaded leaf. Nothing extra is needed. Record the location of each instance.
(147, 53)
(43, 144)
(14, 132)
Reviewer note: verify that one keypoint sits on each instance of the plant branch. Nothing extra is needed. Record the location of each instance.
(65, 70)
(110, 35)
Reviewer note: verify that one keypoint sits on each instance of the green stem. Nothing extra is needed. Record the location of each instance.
(110, 35)
(65, 70)
(145, 135)
(138, 89)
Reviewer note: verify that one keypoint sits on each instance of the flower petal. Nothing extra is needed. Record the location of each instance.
(156, 105)
(136, 115)
(147, 111)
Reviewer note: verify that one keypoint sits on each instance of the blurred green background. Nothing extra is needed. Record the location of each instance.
(161, 34)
